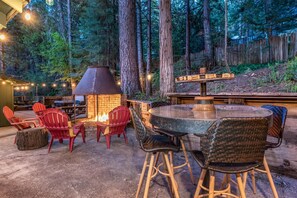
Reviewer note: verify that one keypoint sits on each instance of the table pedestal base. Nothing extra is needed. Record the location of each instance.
(204, 103)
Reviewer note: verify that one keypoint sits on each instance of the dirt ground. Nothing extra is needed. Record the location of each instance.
(91, 170)
(257, 81)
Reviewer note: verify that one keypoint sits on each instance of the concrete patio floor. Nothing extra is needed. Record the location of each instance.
(91, 170)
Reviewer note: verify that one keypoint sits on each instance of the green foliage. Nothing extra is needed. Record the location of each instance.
(56, 54)
(245, 68)
(291, 72)
(142, 96)
(98, 39)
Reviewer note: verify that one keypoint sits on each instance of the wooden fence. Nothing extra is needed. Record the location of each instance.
(281, 49)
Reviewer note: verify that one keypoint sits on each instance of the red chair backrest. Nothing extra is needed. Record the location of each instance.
(118, 119)
(56, 122)
(37, 107)
(8, 113)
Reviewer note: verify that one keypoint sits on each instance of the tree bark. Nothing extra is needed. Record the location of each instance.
(188, 53)
(208, 49)
(226, 36)
(139, 46)
(166, 53)
(127, 37)
(149, 48)
(61, 19)
(269, 28)
(69, 41)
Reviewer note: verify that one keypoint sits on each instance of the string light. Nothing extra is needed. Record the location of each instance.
(54, 85)
(27, 16)
(73, 84)
(149, 76)
(17, 88)
(26, 87)
(2, 37)
(43, 84)
(63, 85)
(3, 82)
(32, 84)
(119, 82)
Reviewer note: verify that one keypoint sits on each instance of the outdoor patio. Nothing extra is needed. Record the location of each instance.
(91, 170)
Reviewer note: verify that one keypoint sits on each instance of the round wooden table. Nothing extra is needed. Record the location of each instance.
(181, 118)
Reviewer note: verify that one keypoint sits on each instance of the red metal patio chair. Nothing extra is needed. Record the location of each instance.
(118, 119)
(59, 126)
(38, 109)
(17, 122)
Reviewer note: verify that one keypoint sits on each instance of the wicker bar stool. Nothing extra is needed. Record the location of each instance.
(177, 138)
(231, 146)
(275, 136)
(154, 145)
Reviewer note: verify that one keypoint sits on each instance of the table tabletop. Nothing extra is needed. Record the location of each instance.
(181, 118)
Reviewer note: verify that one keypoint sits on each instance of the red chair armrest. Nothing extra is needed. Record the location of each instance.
(26, 122)
(29, 119)
(101, 124)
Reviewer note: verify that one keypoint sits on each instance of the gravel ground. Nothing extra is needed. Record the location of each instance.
(91, 170)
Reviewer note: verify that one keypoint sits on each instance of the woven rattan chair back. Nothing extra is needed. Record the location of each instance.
(236, 140)
(279, 120)
(140, 130)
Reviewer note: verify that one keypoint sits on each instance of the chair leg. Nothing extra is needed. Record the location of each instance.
(50, 145)
(228, 183)
(240, 186)
(71, 144)
(173, 182)
(119, 135)
(157, 159)
(244, 179)
(187, 160)
(211, 184)
(149, 174)
(142, 175)
(107, 137)
(200, 182)
(61, 140)
(83, 134)
(253, 181)
(98, 135)
(270, 178)
(125, 137)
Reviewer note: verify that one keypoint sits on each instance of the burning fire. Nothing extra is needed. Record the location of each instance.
(102, 118)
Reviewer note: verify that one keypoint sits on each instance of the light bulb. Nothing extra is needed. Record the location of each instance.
(28, 16)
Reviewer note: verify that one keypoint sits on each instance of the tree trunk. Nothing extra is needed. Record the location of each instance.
(208, 49)
(2, 64)
(32, 138)
(61, 19)
(139, 46)
(166, 53)
(149, 49)
(69, 41)
(269, 28)
(127, 36)
(226, 36)
(188, 53)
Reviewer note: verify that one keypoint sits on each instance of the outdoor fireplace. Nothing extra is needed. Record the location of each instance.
(101, 91)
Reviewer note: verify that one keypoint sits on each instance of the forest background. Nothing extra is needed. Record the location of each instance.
(62, 40)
